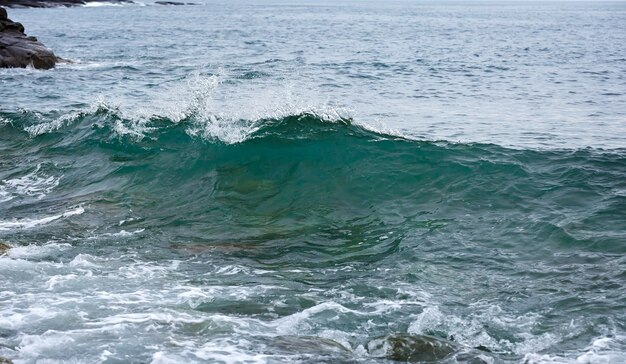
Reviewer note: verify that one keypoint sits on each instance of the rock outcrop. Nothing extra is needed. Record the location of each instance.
(175, 3)
(55, 3)
(412, 348)
(409, 348)
(17, 50)
(3, 250)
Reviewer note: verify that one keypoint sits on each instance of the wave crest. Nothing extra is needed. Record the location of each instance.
(109, 122)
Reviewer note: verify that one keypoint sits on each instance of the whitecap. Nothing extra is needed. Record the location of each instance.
(36, 346)
(49, 126)
(36, 251)
(34, 184)
(218, 112)
(294, 323)
(30, 223)
(98, 4)
(59, 280)
(84, 260)
(604, 350)
(128, 233)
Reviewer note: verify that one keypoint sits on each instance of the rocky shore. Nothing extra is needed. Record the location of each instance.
(17, 50)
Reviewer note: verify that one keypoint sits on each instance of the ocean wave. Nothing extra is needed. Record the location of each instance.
(264, 168)
(213, 127)
(108, 123)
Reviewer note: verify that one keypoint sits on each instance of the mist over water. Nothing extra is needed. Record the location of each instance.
(268, 182)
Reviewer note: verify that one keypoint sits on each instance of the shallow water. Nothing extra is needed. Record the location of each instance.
(245, 182)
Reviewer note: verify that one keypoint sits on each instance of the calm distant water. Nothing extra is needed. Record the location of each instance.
(295, 181)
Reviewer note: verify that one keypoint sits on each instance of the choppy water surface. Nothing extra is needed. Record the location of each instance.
(257, 182)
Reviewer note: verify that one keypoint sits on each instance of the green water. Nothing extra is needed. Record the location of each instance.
(306, 228)
(298, 181)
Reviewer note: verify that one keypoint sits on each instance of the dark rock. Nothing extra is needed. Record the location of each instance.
(4, 360)
(172, 3)
(411, 348)
(17, 50)
(3, 250)
(54, 3)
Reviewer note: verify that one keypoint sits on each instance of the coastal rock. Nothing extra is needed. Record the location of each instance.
(172, 3)
(411, 348)
(17, 50)
(4, 360)
(55, 3)
(3, 250)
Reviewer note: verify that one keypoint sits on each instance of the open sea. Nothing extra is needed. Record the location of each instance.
(307, 181)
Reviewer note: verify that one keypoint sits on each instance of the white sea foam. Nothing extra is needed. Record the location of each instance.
(161, 357)
(85, 261)
(4, 120)
(222, 351)
(208, 104)
(194, 296)
(215, 351)
(98, 4)
(120, 234)
(471, 331)
(160, 317)
(34, 184)
(210, 107)
(294, 324)
(36, 251)
(36, 346)
(48, 126)
(30, 223)
(59, 280)
(88, 298)
(218, 118)
(124, 233)
(603, 350)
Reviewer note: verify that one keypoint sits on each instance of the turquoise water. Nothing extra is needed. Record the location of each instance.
(256, 182)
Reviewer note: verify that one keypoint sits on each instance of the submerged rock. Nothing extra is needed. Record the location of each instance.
(3, 250)
(307, 345)
(411, 348)
(17, 50)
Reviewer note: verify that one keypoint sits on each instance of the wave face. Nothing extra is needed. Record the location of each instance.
(313, 171)
(234, 238)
